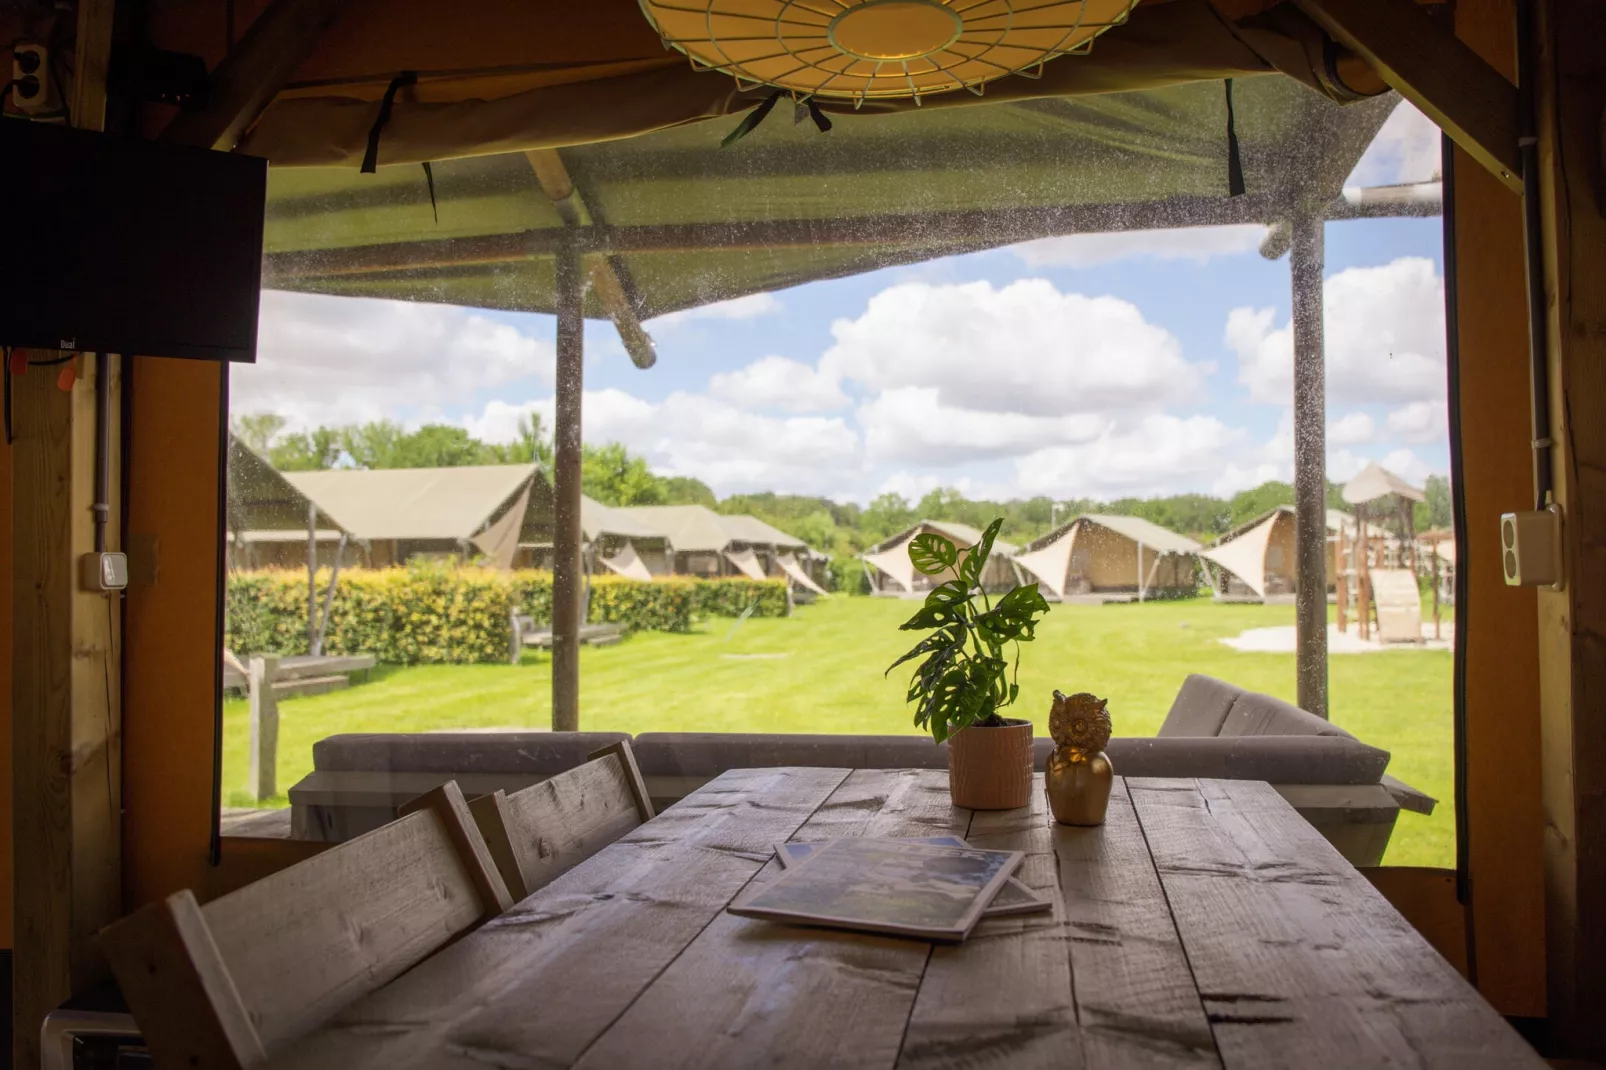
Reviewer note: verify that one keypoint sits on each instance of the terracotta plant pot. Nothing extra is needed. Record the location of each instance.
(991, 768)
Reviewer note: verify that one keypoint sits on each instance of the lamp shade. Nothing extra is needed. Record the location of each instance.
(869, 49)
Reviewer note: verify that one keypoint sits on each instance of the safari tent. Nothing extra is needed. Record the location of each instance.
(269, 522)
(397, 515)
(1104, 558)
(1255, 561)
(891, 572)
(573, 168)
(701, 542)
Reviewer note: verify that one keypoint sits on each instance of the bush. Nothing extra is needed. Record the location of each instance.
(731, 597)
(430, 614)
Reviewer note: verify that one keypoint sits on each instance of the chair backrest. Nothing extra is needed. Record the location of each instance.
(233, 982)
(549, 828)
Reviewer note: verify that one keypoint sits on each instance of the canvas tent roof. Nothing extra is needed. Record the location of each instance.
(680, 217)
(750, 529)
(261, 499)
(1150, 534)
(698, 529)
(1244, 552)
(598, 520)
(962, 535)
(1374, 482)
(420, 503)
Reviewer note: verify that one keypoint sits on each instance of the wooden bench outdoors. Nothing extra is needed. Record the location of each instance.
(303, 674)
(525, 633)
(236, 981)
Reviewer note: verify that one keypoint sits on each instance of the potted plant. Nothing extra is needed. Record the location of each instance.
(966, 678)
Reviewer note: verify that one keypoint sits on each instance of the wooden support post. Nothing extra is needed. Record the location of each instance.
(566, 534)
(1140, 572)
(1572, 622)
(1434, 551)
(312, 578)
(1340, 579)
(261, 677)
(1310, 466)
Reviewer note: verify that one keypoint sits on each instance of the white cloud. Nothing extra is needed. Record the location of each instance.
(911, 424)
(1351, 429)
(1198, 244)
(695, 435)
(778, 383)
(1420, 421)
(1405, 463)
(1158, 454)
(1406, 149)
(737, 308)
(1384, 329)
(332, 360)
(1025, 348)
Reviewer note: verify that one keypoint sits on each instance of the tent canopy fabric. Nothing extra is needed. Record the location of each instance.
(698, 529)
(790, 566)
(1150, 534)
(747, 562)
(424, 503)
(961, 535)
(1051, 563)
(750, 529)
(500, 540)
(677, 213)
(599, 521)
(498, 76)
(1244, 554)
(1374, 482)
(895, 564)
(627, 563)
(262, 501)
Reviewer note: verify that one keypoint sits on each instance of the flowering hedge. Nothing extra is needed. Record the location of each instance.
(444, 615)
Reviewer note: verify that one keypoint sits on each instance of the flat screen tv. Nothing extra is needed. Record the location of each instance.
(114, 245)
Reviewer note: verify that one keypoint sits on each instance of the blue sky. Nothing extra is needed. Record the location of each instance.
(1097, 365)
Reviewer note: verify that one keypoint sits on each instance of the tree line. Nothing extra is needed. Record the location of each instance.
(614, 476)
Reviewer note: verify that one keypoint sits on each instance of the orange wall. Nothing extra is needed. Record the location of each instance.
(171, 646)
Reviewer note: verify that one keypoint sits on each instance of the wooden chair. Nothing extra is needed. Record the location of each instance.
(233, 982)
(549, 828)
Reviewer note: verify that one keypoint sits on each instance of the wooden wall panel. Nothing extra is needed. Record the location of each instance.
(5, 695)
(1505, 822)
(172, 653)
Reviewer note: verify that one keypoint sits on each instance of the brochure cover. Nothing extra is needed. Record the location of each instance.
(1013, 898)
(912, 889)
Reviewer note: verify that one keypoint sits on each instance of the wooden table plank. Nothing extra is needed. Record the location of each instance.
(1003, 997)
(538, 985)
(1298, 959)
(789, 995)
(1135, 995)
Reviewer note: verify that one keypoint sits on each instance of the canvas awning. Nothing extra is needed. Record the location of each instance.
(494, 78)
(1152, 535)
(1244, 555)
(263, 504)
(752, 530)
(500, 541)
(627, 563)
(1051, 563)
(747, 562)
(599, 521)
(1374, 482)
(426, 503)
(790, 566)
(895, 564)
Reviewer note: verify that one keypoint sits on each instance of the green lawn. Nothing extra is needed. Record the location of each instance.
(827, 678)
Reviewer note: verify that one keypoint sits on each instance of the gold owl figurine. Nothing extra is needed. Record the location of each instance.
(1078, 777)
(1080, 723)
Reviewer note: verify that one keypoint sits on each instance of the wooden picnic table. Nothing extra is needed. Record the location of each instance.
(1205, 924)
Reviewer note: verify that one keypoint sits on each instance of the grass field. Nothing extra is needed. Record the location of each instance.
(824, 675)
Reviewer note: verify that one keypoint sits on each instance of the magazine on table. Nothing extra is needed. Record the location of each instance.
(1013, 898)
(931, 891)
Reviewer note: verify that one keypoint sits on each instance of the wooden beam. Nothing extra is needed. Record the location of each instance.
(609, 276)
(245, 83)
(1446, 80)
(566, 533)
(1572, 621)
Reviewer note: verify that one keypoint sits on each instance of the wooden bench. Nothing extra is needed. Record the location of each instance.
(525, 633)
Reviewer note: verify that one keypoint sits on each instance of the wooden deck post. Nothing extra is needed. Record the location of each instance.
(262, 673)
(312, 578)
(1310, 465)
(566, 579)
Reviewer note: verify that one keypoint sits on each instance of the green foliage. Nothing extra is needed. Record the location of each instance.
(1435, 511)
(431, 614)
(684, 490)
(732, 597)
(965, 678)
(612, 476)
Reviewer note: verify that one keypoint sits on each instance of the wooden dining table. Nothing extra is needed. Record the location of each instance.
(1204, 924)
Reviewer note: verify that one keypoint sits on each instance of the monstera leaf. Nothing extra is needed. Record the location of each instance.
(976, 560)
(932, 554)
(1013, 619)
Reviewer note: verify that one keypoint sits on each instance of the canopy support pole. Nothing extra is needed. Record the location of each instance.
(312, 578)
(566, 535)
(1310, 465)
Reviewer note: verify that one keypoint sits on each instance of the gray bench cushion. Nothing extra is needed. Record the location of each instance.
(1254, 714)
(530, 753)
(1200, 707)
(1278, 759)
